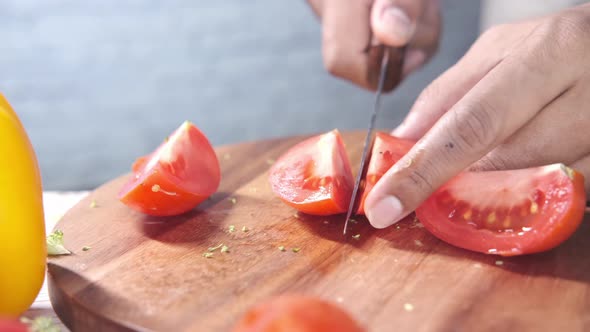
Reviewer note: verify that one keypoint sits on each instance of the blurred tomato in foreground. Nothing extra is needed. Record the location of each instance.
(290, 313)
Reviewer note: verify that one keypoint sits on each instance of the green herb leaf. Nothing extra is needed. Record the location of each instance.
(41, 324)
(55, 244)
(212, 249)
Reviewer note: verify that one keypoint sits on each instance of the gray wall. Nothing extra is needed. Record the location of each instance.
(98, 83)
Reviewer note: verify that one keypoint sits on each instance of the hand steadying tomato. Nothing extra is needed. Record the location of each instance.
(176, 177)
(314, 176)
(290, 313)
(507, 212)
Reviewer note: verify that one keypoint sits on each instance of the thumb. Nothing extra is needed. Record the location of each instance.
(394, 21)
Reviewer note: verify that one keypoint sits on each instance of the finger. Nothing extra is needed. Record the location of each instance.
(454, 83)
(558, 134)
(426, 39)
(428, 28)
(443, 93)
(499, 104)
(316, 6)
(394, 21)
(346, 34)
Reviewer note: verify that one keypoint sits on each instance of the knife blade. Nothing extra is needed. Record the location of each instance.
(367, 144)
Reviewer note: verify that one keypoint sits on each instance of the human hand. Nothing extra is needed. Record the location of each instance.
(352, 28)
(519, 98)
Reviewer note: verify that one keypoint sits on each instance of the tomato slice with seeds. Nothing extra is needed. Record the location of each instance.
(290, 313)
(386, 151)
(314, 176)
(180, 174)
(509, 212)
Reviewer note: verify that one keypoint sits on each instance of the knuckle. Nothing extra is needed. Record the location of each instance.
(490, 162)
(342, 63)
(420, 179)
(416, 184)
(563, 37)
(330, 58)
(573, 23)
(473, 128)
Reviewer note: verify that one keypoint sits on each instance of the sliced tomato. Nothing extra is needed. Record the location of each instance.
(139, 163)
(314, 176)
(12, 325)
(509, 212)
(386, 151)
(180, 174)
(289, 313)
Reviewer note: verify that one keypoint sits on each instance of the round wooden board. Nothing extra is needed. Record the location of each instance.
(147, 273)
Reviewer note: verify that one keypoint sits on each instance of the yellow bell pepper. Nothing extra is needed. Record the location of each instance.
(23, 251)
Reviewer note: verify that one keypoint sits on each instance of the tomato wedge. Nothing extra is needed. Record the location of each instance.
(314, 176)
(510, 212)
(289, 313)
(180, 174)
(386, 151)
(12, 325)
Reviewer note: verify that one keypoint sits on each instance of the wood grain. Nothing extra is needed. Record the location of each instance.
(144, 273)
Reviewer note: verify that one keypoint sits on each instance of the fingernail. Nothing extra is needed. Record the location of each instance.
(385, 212)
(399, 23)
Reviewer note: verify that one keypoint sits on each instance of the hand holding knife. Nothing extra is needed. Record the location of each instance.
(368, 139)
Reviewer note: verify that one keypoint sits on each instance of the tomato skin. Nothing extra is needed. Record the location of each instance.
(555, 222)
(386, 151)
(296, 313)
(179, 175)
(314, 176)
(23, 252)
(139, 163)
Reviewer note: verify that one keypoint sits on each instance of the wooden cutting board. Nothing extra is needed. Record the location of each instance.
(146, 273)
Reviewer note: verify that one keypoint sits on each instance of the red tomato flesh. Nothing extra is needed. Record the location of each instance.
(314, 176)
(11, 325)
(180, 174)
(296, 313)
(510, 212)
(386, 151)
